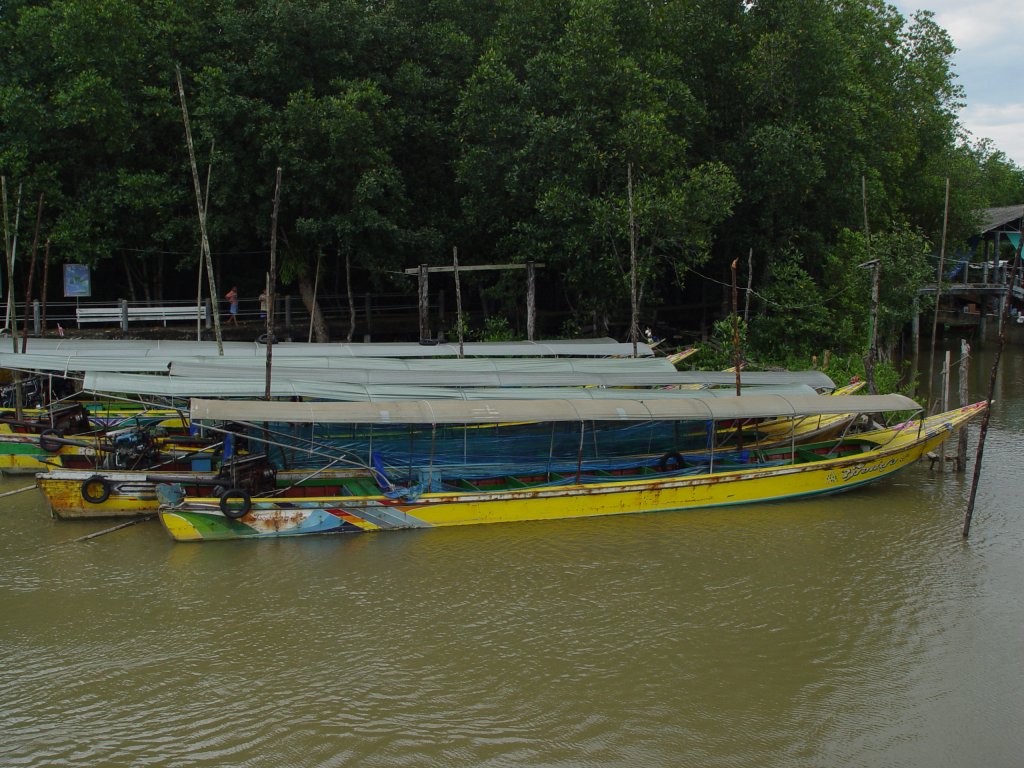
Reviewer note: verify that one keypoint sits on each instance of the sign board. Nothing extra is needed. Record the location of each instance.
(77, 281)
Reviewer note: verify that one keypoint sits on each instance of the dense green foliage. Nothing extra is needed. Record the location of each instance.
(506, 129)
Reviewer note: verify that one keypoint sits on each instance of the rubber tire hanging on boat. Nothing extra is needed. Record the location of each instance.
(104, 493)
(672, 460)
(47, 441)
(232, 512)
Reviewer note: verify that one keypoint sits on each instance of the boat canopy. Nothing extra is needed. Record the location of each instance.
(312, 387)
(230, 367)
(443, 375)
(177, 349)
(494, 411)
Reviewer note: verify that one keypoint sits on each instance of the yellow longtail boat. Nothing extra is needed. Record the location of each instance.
(373, 502)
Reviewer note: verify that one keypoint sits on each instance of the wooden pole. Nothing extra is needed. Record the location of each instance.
(531, 301)
(272, 280)
(202, 256)
(750, 286)
(946, 375)
(458, 298)
(202, 213)
(424, 302)
(735, 329)
(46, 276)
(31, 273)
(938, 294)
(634, 322)
(869, 363)
(113, 528)
(11, 243)
(351, 296)
(961, 449)
(314, 305)
(869, 368)
(983, 431)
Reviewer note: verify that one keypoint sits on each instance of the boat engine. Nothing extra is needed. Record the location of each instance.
(134, 448)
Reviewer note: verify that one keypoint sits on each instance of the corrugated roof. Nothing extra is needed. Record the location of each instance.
(177, 349)
(452, 376)
(495, 411)
(994, 218)
(284, 386)
(229, 367)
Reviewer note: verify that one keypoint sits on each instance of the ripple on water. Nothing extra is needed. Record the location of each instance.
(842, 631)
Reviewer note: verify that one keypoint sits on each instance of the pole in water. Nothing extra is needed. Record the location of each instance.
(114, 528)
(983, 432)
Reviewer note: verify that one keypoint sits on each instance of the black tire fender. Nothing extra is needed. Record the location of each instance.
(233, 511)
(95, 498)
(672, 460)
(49, 440)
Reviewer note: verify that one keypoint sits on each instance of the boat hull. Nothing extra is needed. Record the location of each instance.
(202, 520)
(130, 494)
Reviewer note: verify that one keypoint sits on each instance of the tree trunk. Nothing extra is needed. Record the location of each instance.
(313, 307)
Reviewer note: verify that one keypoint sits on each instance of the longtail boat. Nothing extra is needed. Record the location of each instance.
(113, 490)
(376, 502)
(74, 494)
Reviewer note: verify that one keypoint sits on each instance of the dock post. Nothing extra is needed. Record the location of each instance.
(531, 301)
(36, 318)
(424, 301)
(124, 315)
(961, 448)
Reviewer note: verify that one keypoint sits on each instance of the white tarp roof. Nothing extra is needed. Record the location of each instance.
(444, 376)
(492, 411)
(282, 386)
(176, 349)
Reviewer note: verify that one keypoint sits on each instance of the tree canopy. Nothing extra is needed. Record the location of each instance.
(507, 129)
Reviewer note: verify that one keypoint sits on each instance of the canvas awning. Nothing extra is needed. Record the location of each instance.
(456, 376)
(494, 411)
(286, 386)
(177, 349)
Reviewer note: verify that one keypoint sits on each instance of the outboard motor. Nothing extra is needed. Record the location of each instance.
(133, 447)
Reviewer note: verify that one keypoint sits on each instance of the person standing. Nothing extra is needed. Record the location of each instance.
(263, 305)
(232, 297)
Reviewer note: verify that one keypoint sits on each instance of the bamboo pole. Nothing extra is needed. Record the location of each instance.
(735, 329)
(875, 264)
(351, 296)
(531, 301)
(272, 280)
(113, 528)
(983, 431)
(17, 490)
(46, 277)
(961, 449)
(202, 216)
(634, 322)
(458, 298)
(202, 256)
(946, 376)
(750, 286)
(11, 244)
(314, 305)
(938, 294)
(31, 273)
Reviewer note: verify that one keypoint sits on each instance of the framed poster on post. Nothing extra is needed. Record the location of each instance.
(77, 281)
